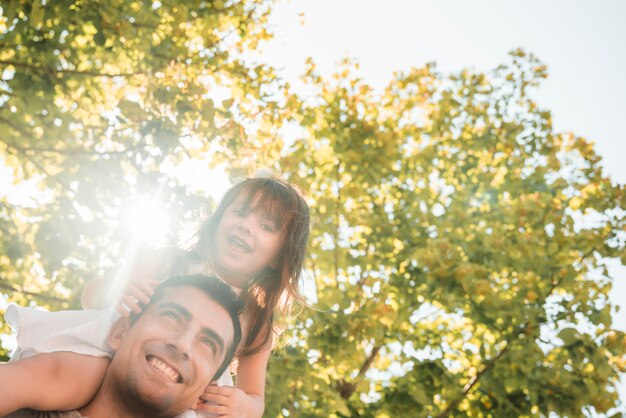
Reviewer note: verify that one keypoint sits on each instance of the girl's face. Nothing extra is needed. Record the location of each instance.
(246, 241)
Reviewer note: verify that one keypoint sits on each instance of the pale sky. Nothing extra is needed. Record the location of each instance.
(582, 42)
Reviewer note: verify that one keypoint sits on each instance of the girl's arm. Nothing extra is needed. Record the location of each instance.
(57, 381)
(138, 278)
(95, 292)
(247, 398)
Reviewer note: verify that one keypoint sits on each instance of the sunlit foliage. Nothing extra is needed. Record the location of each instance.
(459, 244)
(105, 101)
(458, 253)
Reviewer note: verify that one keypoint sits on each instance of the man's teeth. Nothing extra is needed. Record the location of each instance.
(167, 370)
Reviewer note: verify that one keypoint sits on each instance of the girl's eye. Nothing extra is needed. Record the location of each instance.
(268, 227)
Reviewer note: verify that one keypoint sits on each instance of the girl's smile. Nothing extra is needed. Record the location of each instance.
(247, 241)
(239, 245)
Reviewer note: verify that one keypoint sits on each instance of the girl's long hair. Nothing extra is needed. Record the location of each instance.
(273, 290)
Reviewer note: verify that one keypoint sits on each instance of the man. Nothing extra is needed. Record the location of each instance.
(165, 356)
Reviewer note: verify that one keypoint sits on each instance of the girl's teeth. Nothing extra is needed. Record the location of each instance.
(239, 243)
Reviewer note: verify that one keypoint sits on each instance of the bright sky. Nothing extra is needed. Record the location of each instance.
(582, 42)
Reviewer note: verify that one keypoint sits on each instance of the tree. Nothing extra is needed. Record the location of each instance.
(459, 244)
(459, 252)
(100, 102)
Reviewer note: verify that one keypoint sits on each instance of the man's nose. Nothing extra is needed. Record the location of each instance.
(182, 344)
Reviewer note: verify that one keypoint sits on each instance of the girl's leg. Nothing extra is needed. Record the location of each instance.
(50, 382)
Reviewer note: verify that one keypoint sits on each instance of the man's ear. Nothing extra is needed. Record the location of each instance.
(118, 332)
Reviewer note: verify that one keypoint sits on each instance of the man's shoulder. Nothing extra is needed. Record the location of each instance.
(29, 413)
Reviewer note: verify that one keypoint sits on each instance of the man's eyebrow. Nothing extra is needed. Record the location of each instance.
(179, 308)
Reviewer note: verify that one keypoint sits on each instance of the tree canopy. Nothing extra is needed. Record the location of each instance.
(457, 262)
(99, 99)
(459, 251)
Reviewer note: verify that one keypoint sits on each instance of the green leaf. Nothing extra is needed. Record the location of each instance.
(37, 13)
(568, 336)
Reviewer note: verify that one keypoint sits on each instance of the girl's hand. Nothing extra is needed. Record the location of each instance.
(136, 292)
(226, 402)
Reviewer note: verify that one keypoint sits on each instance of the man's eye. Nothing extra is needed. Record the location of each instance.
(171, 315)
(211, 344)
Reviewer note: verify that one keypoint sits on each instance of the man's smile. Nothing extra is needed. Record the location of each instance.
(164, 368)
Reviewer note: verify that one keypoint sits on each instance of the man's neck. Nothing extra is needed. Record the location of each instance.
(104, 406)
(107, 405)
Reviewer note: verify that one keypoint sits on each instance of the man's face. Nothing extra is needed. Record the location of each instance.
(167, 358)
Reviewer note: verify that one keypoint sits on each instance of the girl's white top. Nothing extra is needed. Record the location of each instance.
(79, 331)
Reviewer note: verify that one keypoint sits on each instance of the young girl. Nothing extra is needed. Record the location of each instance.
(255, 242)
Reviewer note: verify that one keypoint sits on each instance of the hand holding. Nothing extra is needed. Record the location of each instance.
(225, 402)
(137, 292)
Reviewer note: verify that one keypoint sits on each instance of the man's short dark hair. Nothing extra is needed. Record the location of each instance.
(217, 291)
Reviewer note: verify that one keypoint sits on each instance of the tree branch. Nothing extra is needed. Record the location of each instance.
(491, 363)
(69, 151)
(46, 298)
(56, 71)
(369, 360)
(337, 226)
(345, 388)
(14, 126)
(474, 380)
